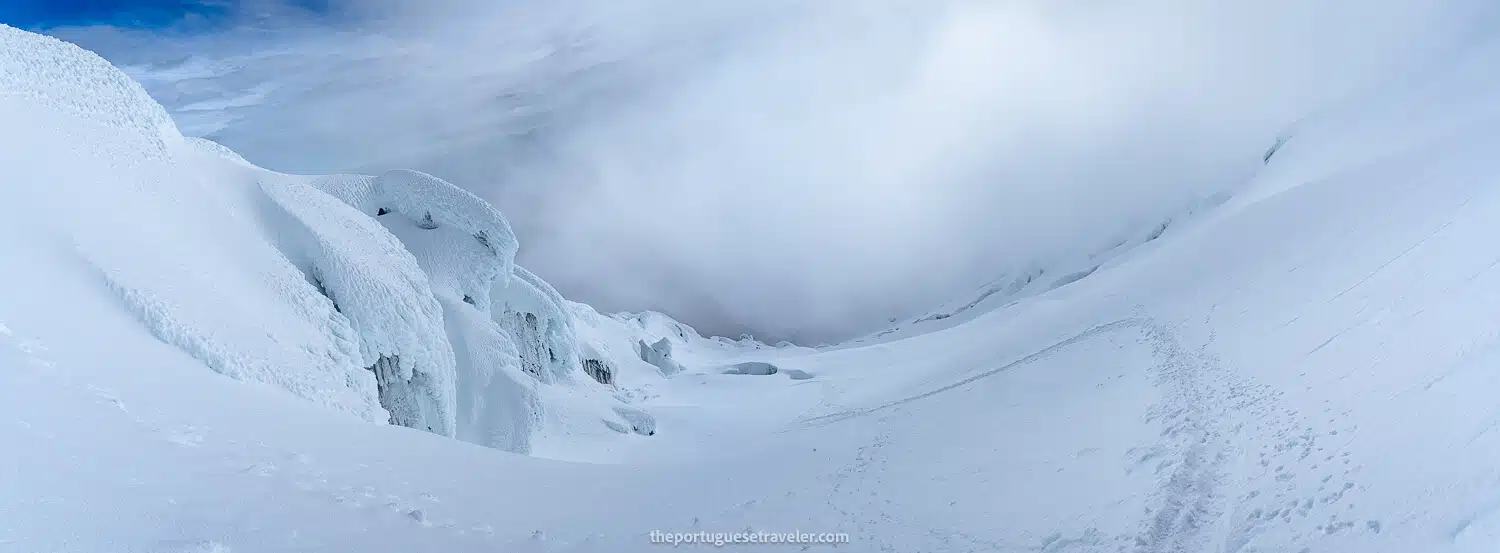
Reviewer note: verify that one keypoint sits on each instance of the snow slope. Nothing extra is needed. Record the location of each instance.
(1306, 367)
(342, 290)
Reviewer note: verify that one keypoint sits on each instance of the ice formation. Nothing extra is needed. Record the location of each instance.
(394, 298)
(379, 287)
(534, 314)
(660, 355)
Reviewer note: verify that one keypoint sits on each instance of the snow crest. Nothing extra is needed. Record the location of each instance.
(78, 82)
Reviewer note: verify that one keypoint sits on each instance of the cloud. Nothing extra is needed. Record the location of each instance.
(793, 169)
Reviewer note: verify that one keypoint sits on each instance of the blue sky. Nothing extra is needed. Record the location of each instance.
(144, 14)
(125, 13)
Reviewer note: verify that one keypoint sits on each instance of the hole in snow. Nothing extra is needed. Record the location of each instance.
(381, 211)
(469, 299)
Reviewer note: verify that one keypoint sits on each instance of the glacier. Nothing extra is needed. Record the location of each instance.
(197, 354)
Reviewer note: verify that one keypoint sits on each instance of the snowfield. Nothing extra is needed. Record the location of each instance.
(198, 355)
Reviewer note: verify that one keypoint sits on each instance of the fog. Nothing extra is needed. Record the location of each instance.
(792, 169)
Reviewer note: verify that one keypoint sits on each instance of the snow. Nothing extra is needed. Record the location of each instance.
(210, 147)
(425, 198)
(1307, 366)
(755, 368)
(534, 314)
(74, 81)
(429, 203)
(291, 282)
(103, 193)
(380, 289)
(1041, 276)
(660, 355)
(498, 405)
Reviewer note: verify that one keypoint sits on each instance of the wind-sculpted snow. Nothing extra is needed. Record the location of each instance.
(660, 355)
(498, 404)
(384, 294)
(435, 202)
(366, 295)
(90, 165)
(425, 199)
(73, 81)
(533, 312)
(471, 246)
(552, 301)
(520, 373)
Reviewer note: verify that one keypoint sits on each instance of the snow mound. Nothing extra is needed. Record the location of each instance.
(70, 80)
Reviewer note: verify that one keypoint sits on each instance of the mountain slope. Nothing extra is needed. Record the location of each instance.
(351, 292)
(1306, 367)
